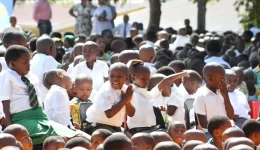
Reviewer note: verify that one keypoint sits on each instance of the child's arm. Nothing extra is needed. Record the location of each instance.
(171, 109)
(6, 106)
(126, 97)
(130, 110)
(201, 120)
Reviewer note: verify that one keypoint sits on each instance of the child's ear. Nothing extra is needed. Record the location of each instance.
(11, 64)
(148, 147)
(59, 75)
(132, 77)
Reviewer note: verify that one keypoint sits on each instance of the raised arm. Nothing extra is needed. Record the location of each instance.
(228, 107)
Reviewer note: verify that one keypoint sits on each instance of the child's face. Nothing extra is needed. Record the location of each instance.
(117, 78)
(215, 79)
(90, 53)
(140, 144)
(22, 64)
(218, 132)
(66, 43)
(250, 80)
(96, 140)
(231, 82)
(177, 133)
(108, 37)
(193, 86)
(58, 44)
(240, 77)
(66, 80)
(24, 138)
(13, 21)
(84, 90)
(141, 79)
(101, 45)
(56, 145)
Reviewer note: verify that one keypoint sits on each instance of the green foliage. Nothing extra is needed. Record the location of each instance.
(249, 11)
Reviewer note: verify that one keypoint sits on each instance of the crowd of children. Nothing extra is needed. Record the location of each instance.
(162, 90)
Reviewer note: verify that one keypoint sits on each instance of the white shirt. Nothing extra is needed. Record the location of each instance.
(254, 30)
(69, 71)
(16, 28)
(2, 48)
(123, 28)
(179, 42)
(159, 99)
(99, 26)
(98, 73)
(151, 67)
(3, 64)
(15, 90)
(144, 115)
(150, 43)
(218, 60)
(40, 64)
(239, 103)
(104, 100)
(57, 105)
(208, 103)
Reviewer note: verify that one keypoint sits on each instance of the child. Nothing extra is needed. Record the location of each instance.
(250, 79)
(142, 141)
(57, 100)
(147, 55)
(117, 141)
(13, 26)
(240, 76)
(167, 146)
(7, 140)
(212, 99)
(160, 136)
(217, 125)
(53, 142)
(231, 133)
(137, 41)
(21, 134)
(118, 46)
(176, 130)
(84, 88)
(205, 147)
(114, 58)
(97, 69)
(251, 129)
(98, 137)
(237, 99)
(241, 140)
(191, 144)
(77, 51)
(77, 142)
(177, 66)
(112, 101)
(69, 41)
(127, 55)
(101, 48)
(194, 134)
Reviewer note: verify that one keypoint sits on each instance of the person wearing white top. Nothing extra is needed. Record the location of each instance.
(181, 39)
(123, 29)
(13, 26)
(218, 60)
(147, 55)
(43, 61)
(3, 64)
(102, 18)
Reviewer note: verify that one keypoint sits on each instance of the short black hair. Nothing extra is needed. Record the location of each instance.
(165, 70)
(68, 33)
(106, 31)
(95, 37)
(14, 52)
(215, 123)
(160, 64)
(244, 64)
(12, 36)
(139, 68)
(56, 34)
(82, 36)
(117, 141)
(248, 33)
(104, 133)
(177, 63)
(167, 146)
(33, 44)
(151, 35)
(213, 46)
(250, 126)
(51, 140)
(78, 141)
(194, 76)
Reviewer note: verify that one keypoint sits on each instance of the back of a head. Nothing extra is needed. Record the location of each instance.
(117, 141)
(160, 136)
(251, 126)
(191, 144)
(205, 147)
(151, 35)
(33, 44)
(44, 44)
(78, 141)
(177, 64)
(118, 45)
(213, 47)
(194, 76)
(242, 140)
(52, 140)
(194, 134)
(7, 140)
(56, 34)
(11, 38)
(50, 76)
(167, 146)
(146, 137)
(128, 55)
(14, 128)
(215, 123)
(233, 132)
(14, 52)
(165, 70)
(102, 133)
(154, 80)
(146, 53)
(241, 147)
(11, 148)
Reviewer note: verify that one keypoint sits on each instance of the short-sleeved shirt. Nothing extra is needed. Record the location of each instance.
(98, 73)
(218, 60)
(151, 67)
(15, 90)
(104, 100)
(208, 103)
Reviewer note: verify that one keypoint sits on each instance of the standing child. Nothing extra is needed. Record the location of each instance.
(112, 101)
(250, 79)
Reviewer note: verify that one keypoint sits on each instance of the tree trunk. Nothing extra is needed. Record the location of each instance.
(155, 13)
(202, 15)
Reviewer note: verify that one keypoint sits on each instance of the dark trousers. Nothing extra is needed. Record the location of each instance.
(44, 27)
(133, 131)
(91, 128)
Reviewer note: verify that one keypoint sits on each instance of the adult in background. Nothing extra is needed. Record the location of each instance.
(83, 17)
(114, 13)
(102, 17)
(42, 14)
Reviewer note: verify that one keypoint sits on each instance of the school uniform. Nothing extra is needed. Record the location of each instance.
(159, 100)
(123, 29)
(104, 100)
(57, 106)
(240, 106)
(70, 68)
(74, 109)
(151, 67)
(218, 60)
(3, 63)
(256, 96)
(144, 118)
(243, 88)
(98, 73)
(40, 64)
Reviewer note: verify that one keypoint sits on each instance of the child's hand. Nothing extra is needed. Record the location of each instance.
(235, 117)
(134, 62)
(162, 108)
(223, 87)
(186, 74)
(128, 94)
(2, 120)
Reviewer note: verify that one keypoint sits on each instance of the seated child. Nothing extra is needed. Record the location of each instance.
(69, 41)
(117, 141)
(84, 88)
(251, 129)
(194, 134)
(250, 79)
(97, 69)
(78, 142)
(77, 50)
(160, 136)
(7, 140)
(101, 48)
(205, 147)
(53, 142)
(216, 126)
(176, 131)
(57, 100)
(142, 141)
(237, 99)
(231, 133)
(240, 76)
(191, 144)
(21, 134)
(98, 137)
(111, 102)
(177, 66)
(147, 55)
(241, 140)
(167, 146)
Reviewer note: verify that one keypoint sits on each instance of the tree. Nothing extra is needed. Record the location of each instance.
(155, 13)
(249, 13)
